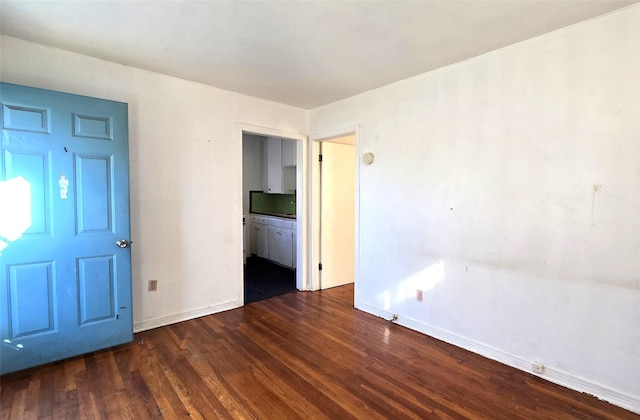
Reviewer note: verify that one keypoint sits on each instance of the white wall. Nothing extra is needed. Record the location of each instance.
(186, 175)
(507, 187)
(252, 171)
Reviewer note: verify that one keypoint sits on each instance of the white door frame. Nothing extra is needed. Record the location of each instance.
(314, 204)
(302, 170)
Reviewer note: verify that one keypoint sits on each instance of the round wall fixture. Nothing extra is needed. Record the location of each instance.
(368, 158)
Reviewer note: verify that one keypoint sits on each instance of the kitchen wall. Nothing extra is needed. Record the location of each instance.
(253, 149)
(507, 188)
(276, 204)
(185, 162)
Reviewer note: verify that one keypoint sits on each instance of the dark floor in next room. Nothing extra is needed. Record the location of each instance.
(264, 279)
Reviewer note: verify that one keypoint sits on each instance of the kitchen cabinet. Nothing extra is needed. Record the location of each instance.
(273, 166)
(289, 158)
(273, 238)
(288, 152)
(279, 162)
(253, 239)
(294, 246)
(281, 245)
(259, 237)
(289, 180)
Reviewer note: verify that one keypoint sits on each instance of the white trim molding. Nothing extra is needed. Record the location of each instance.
(556, 376)
(149, 324)
(314, 203)
(301, 188)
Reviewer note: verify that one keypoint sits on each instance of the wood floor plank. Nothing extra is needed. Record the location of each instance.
(32, 406)
(165, 400)
(300, 355)
(304, 359)
(17, 408)
(288, 382)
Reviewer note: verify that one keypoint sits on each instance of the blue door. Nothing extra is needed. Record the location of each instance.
(65, 264)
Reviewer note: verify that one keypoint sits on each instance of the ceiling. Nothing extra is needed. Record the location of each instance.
(301, 53)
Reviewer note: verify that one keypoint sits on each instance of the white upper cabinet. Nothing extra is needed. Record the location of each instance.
(273, 166)
(279, 166)
(289, 152)
(289, 159)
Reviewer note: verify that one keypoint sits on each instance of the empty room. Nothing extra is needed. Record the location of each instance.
(437, 204)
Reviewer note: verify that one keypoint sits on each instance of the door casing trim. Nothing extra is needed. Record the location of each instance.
(314, 205)
(301, 208)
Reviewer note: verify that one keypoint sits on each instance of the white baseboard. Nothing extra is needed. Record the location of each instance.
(148, 324)
(559, 377)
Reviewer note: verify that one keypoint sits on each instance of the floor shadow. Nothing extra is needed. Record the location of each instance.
(264, 279)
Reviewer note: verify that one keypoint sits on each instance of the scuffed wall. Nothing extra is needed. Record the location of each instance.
(185, 174)
(507, 189)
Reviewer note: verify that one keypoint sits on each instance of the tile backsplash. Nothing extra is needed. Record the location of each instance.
(272, 203)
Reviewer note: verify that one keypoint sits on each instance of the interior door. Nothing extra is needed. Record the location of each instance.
(65, 283)
(337, 208)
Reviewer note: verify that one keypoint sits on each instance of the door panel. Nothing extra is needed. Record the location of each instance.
(31, 293)
(92, 186)
(34, 170)
(96, 289)
(65, 287)
(23, 118)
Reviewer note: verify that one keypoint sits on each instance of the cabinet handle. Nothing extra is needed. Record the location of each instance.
(279, 233)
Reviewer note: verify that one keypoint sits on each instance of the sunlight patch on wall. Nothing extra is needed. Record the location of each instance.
(387, 300)
(424, 280)
(15, 210)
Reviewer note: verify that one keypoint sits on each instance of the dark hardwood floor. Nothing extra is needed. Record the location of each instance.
(299, 355)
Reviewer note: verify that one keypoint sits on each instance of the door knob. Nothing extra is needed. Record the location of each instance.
(122, 243)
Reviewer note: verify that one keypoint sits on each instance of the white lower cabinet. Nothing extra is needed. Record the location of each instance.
(294, 246)
(281, 245)
(259, 240)
(273, 238)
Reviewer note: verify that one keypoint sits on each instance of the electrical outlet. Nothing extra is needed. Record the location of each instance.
(537, 367)
(419, 295)
(153, 285)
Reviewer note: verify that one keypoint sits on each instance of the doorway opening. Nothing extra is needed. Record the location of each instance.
(272, 190)
(335, 209)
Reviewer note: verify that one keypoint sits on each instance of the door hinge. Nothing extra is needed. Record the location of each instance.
(319, 158)
(320, 266)
(117, 316)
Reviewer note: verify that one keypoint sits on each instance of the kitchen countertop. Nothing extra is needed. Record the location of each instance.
(285, 216)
